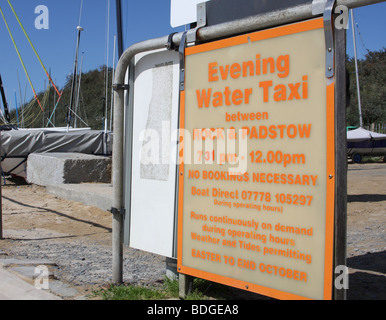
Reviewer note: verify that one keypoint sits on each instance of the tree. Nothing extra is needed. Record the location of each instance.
(372, 81)
(91, 103)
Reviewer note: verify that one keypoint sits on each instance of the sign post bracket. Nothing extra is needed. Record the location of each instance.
(188, 37)
(329, 35)
(201, 22)
(181, 51)
(185, 281)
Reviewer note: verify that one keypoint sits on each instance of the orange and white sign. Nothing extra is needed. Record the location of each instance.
(256, 185)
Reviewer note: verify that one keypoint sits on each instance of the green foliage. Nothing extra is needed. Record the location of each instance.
(130, 293)
(372, 80)
(91, 108)
(202, 290)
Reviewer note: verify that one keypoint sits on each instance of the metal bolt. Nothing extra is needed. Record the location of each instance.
(331, 176)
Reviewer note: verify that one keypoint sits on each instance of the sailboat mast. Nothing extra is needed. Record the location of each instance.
(78, 91)
(119, 27)
(80, 29)
(8, 118)
(356, 69)
(112, 83)
(107, 63)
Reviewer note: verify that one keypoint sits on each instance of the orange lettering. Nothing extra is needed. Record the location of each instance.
(282, 65)
(247, 93)
(235, 70)
(265, 85)
(227, 93)
(294, 91)
(217, 101)
(203, 97)
(280, 93)
(237, 97)
(305, 87)
(305, 130)
(271, 62)
(213, 72)
(248, 65)
(224, 72)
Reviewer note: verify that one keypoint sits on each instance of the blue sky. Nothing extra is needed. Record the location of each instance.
(142, 20)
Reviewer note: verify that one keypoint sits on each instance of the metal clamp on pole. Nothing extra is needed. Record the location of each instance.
(115, 211)
(118, 87)
(329, 37)
(170, 45)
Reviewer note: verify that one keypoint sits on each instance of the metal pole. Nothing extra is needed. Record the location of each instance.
(17, 112)
(112, 80)
(356, 69)
(74, 77)
(211, 33)
(78, 91)
(119, 27)
(107, 63)
(5, 104)
(117, 174)
(21, 101)
(340, 245)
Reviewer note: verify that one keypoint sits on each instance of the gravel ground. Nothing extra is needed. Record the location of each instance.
(77, 238)
(81, 263)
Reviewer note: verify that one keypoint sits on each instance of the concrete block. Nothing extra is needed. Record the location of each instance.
(25, 262)
(30, 272)
(99, 195)
(65, 168)
(62, 289)
(14, 288)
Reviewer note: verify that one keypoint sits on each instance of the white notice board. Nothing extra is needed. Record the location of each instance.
(150, 224)
(183, 12)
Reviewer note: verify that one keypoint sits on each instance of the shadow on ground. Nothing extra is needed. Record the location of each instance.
(368, 279)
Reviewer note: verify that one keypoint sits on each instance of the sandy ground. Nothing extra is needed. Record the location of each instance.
(366, 238)
(37, 223)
